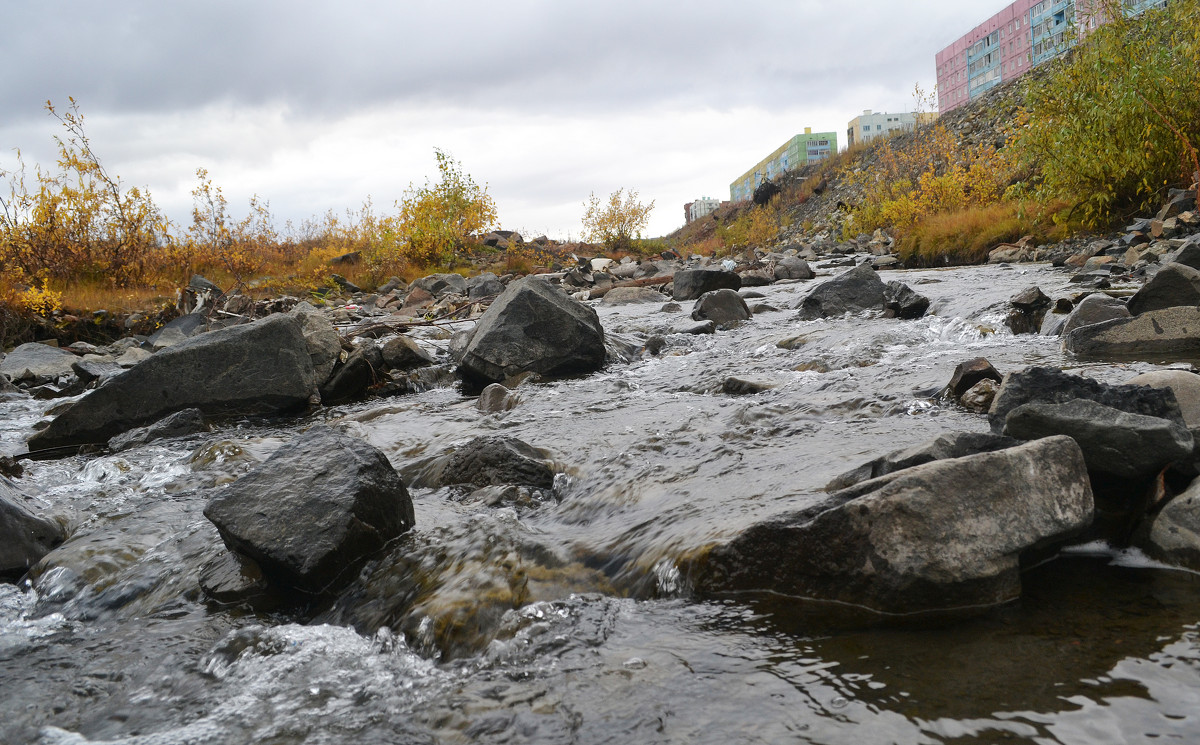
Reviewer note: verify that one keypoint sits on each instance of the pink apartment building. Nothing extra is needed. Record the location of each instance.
(996, 50)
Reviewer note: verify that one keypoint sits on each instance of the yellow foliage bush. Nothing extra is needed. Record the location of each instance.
(617, 223)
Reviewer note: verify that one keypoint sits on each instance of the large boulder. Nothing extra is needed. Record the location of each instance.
(1185, 385)
(324, 344)
(1155, 335)
(690, 284)
(723, 307)
(440, 285)
(1173, 285)
(362, 369)
(533, 327)
(902, 301)
(314, 511)
(25, 537)
(483, 286)
(944, 536)
(1174, 535)
(856, 290)
(37, 363)
(943, 447)
(1114, 442)
(1095, 308)
(252, 369)
(1052, 386)
(793, 267)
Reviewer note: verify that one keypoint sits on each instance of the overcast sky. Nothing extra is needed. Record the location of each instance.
(320, 105)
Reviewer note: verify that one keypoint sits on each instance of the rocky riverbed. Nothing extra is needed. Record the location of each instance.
(840, 503)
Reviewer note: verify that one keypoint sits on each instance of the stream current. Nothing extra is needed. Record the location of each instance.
(564, 619)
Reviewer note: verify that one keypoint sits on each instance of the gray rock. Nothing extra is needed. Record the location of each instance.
(792, 267)
(314, 511)
(402, 353)
(901, 301)
(25, 537)
(1028, 311)
(630, 295)
(1053, 386)
(690, 284)
(363, 368)
(179, 424)
(37, 363)
(440, 285)
(533, 327)
(486, 461)
(944, 536)
(1113, 442)
(177, 330)
(1185, 385)
(980, 397)
(943, 447)
(1173, 285)
(252, 369)
(1174, 535)
(725, 308)
(324, 344)
(496, 398)
(856, 290)
(1155, 336)
(1095, 308)
(743, 387)
(1187, 254)
(133, 356)
(967, 374)
(484, 286)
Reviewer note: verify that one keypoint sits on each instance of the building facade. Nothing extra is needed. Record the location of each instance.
(1013, 42)
(801, 150)
(699, 208)
(869, 125)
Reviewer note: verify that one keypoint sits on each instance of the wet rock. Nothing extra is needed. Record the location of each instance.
(967, 374)
(979, 397)
(252, 369)
(944, 536)
(1173, 537)
(631, 295)
(698, 329)
(670, 308)
(1154, 335)
(496, 398)
(1114, 442)
(742, 387)
(314, 511)
(1052, 386)
(690, 284)
(792, 267)
(725, 308)
(901, 301)
(533, 327)
(231, 579)
(1173, 285)
(403, 353)
(1095, 308)
(363, 368)
(943, 447)
(179, 424)
(1028, 311)
(856, 290)
(324, 344)
(25, 537)
(486, 461)
(37, 363)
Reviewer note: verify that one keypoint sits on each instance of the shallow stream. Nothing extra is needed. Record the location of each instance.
(565, 619)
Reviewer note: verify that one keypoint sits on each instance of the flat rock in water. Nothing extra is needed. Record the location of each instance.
(487, 461)
(1095, 308)
(901, 301)
(252, 369)
(854, 291)
(533, 327)
(179, 424)
(631, 295)
(1052, 386)
(1113, 442)
(725, 308)
(946, 536)
(25, 537)
(314, 511)
(1154, 336)
(943, 447)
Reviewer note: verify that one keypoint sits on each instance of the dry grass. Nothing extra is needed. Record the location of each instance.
(967, 236)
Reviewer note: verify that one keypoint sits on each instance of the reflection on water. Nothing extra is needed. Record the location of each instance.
(564, 619)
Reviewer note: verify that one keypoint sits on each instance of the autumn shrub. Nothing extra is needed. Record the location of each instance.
(618, 222)
(968, 235)
(1117, 121)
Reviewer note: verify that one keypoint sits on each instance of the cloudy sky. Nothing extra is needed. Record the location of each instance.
(320, 105)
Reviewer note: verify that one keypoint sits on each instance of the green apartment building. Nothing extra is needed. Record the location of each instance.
(796, 152)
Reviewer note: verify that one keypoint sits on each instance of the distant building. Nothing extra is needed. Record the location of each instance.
(799, 151)
(701, 207)
(1013, 42)
(870, 125)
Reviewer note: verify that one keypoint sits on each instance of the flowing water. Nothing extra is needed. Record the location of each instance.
(564, 618)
